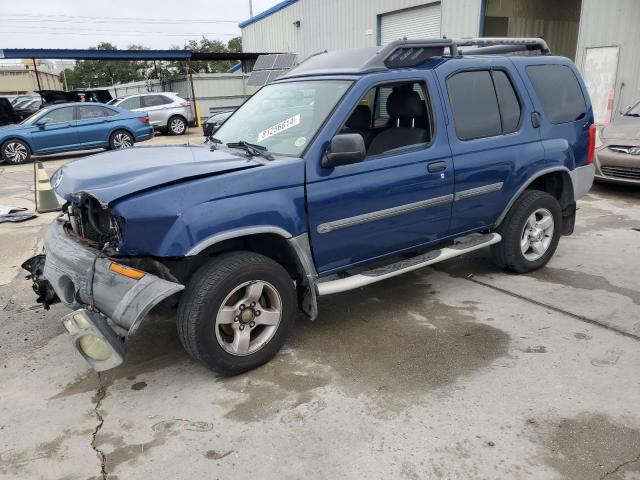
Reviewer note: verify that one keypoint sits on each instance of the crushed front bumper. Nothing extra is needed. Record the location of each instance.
(84, 279)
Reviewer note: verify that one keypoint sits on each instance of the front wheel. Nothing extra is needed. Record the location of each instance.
(15, 152)
(530, 233)
(120, 139)
(236, 312)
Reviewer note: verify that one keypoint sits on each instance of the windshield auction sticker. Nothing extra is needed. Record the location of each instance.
(279, 127)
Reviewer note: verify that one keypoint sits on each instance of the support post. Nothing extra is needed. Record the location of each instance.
(37, 76)
(193, 93)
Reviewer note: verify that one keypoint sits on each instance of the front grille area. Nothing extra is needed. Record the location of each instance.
(630, 173)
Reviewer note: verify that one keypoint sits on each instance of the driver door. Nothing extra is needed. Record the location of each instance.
(400, 196)
(54, 131)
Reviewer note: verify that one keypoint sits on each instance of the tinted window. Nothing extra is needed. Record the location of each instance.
(130, 103)
(508, 101)
(474, 104)
(155, 100)
(559, 92)
(95, 111)
(59, 115)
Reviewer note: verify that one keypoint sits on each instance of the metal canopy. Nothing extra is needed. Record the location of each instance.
(76, 54)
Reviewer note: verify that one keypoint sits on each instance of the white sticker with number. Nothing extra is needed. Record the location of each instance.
(279, 127)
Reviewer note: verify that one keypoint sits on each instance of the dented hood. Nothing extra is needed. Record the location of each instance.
(113, 175)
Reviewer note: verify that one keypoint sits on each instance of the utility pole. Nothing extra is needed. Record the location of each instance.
(64, 77)
(37, 76)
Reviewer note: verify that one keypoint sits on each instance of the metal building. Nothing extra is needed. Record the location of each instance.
(601, 36)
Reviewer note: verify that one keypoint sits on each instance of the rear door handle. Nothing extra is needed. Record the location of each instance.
(437, 167)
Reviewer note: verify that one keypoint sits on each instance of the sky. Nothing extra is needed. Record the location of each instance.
(157, 24)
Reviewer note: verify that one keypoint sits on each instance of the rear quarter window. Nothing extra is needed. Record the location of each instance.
(559, 92)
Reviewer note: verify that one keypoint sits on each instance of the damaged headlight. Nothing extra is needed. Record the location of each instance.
(94, 223)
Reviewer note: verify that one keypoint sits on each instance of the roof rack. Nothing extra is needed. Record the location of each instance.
(408, 53)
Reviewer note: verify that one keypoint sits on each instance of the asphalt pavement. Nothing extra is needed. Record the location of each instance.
(454, 372)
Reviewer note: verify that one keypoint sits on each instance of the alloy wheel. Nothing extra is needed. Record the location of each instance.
(177, 126)
(122, 140)
(248, 318)
(537, 234)
(15, 152)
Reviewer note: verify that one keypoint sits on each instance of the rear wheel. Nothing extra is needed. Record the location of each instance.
(237, 312)
(120, 139)
(15, 152)
(176, 125)
(530, 233)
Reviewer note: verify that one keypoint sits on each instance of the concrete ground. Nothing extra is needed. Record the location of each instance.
(454, 372)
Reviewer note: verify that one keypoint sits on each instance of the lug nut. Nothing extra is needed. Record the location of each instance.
(242, 307)
(236, 319)
(252, 324)
(253, 304)
(241, 327)
(257, 313)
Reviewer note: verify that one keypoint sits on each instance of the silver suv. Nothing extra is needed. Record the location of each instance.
(167, 111)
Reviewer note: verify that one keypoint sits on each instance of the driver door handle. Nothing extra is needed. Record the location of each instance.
(436, 167)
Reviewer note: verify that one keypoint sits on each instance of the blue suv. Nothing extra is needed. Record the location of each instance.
(73, 126)
(353, 167)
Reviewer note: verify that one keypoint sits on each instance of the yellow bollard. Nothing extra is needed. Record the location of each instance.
(46, 200)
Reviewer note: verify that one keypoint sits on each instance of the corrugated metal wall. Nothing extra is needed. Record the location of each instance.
(336, 24)
(614, 23)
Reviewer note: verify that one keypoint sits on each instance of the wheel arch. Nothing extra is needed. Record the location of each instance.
(557, 182)
(293, 253)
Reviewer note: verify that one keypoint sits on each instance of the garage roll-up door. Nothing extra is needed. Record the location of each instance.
(419, 22)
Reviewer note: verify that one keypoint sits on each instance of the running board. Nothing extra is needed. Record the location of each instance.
(460, 246)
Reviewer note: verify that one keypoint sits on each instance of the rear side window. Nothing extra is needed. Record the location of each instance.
(155, 100)
(130, 103)
(95, 111)
(474, 104)
(508, 101)
(559, 92)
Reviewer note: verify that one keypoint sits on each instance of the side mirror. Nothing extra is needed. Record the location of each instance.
(42, 122)
(345, 148)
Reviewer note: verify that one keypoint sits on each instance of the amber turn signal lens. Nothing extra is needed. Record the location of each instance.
(127, 271)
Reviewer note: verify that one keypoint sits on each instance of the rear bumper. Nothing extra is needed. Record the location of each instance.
(582, 180)
(82, 278)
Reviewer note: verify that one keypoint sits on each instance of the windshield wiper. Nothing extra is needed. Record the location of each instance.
(252, 149)
(632, 114)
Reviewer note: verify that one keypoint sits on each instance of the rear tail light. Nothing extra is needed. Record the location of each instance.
(591, 150)
(185, 104)
(144, 119)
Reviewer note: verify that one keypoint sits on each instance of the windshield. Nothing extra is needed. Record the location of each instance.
(283, 117)
(634, 111)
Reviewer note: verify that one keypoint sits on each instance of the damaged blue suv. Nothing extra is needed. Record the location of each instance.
(353, 167)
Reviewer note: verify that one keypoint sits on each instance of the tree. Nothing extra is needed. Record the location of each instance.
(102, 73)
(205, 45)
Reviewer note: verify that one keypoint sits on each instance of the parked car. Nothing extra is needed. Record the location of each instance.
(21, 98)
(167, 111)
(214, 122)
(51, 97)
(7, 113)
(375, 162)
(73, 126)
(28, 108)
(618, 154)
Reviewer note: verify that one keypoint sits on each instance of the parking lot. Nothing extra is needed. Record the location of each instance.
(459, 371)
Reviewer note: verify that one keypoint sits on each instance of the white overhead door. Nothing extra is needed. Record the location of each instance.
(419, 22)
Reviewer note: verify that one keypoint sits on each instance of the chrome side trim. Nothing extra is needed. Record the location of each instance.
(472, 192)
(403, 266)
(381, 214)
(524, 187)
(241, 232)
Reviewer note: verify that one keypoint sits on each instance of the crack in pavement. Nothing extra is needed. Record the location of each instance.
(619, 467)
(556, 309)
(101, 392)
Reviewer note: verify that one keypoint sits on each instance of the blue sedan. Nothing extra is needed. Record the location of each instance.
(73, 126)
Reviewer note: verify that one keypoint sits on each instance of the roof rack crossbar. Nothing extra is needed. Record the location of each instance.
(528, 43)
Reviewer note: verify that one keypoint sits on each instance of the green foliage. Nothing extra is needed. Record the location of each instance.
(103, 73)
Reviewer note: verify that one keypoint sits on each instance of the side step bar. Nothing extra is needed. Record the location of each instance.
(460, 246)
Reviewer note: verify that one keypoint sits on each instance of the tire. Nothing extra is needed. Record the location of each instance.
(15, 152)
(526, 244)
(121, 139)
(212, 333)
(176, 125)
